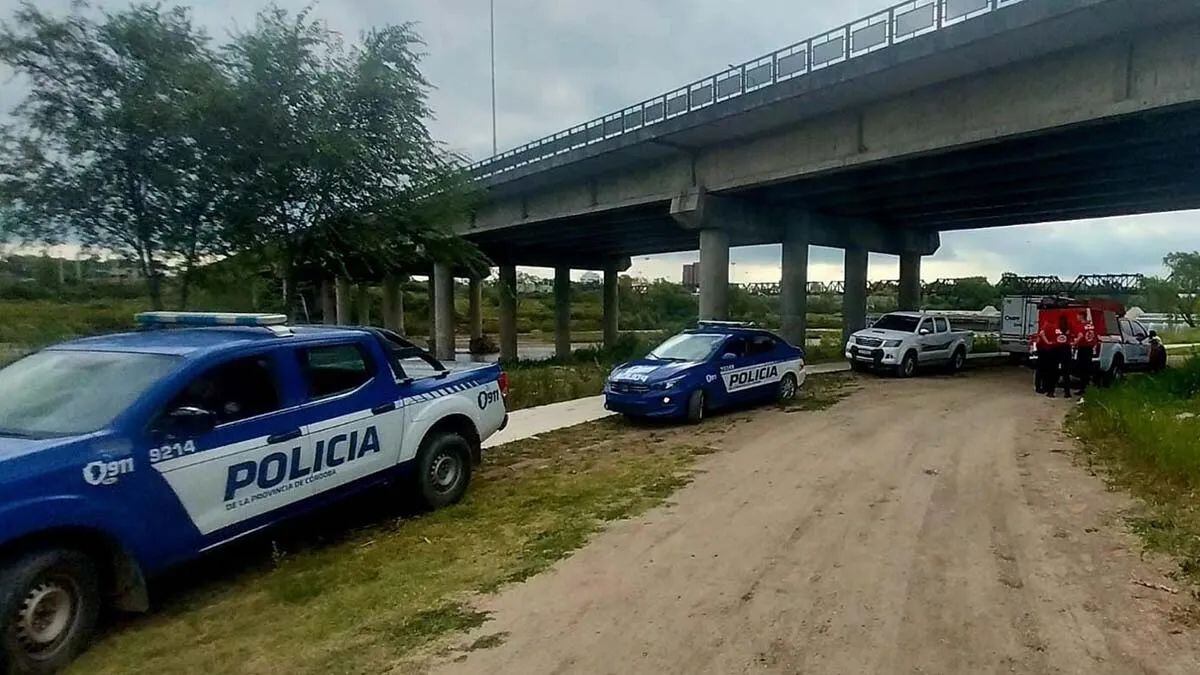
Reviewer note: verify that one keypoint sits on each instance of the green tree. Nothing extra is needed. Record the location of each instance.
(106, 149)
(334, 168)
(1179, 293)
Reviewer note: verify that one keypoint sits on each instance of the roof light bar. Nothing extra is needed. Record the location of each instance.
(161, 319)
(726, 324)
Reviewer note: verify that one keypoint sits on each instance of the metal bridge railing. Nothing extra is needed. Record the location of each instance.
(881, 30)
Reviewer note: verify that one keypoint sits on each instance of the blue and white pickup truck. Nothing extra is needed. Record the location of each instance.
(717, 364)
(123, 455)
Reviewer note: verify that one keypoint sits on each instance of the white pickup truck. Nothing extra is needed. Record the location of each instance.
(901, 342)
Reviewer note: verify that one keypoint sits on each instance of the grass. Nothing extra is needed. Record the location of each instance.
(330, 601)
(1181, 336)
(536, 384)
(1145, 436)
(353, 591)
(36, 323)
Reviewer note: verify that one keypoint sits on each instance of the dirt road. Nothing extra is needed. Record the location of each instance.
(920, 526)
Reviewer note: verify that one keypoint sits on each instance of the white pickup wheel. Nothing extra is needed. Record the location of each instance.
(908, 365)
(958, 361)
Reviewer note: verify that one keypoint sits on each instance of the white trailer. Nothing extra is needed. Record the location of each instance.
(1018, 323)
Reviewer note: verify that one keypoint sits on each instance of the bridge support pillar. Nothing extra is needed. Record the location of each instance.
(341, 292)
(443, 311)
(475, 307)
(793, 286)
(562, 312)
(393, 304)
(612, 310)
(328, 303)
(714, 274)
(910, 281)
(508, 312)
(432, 290)
(854, 302)
(362, 304)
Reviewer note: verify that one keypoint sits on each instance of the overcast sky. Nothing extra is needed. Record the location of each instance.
(561, 62)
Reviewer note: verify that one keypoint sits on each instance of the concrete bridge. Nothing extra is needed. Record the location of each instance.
(929, 116)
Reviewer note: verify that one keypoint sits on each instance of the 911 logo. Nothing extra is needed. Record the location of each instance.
(488, 397)
(107, 473)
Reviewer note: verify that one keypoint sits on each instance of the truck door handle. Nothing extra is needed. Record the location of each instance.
(385, 408)
(284, 437)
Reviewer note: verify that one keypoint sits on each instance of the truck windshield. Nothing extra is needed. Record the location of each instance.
(64, 393)
(897, 322)
(689, 347)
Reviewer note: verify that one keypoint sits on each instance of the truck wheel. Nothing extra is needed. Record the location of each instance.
(908, 365)
(695, 407)
(1116, 372)
(49, 605)
(857, 367)
(443, 469)
(787, 388)
(958, 361)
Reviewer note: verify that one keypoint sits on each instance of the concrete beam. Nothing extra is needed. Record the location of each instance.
(443, 312)
(328, 303)
(393, 305)
(341, 288)
(612, 310)
(910, 282)
(362, 304)
(475, 307)
(508, 312)
(714, 274)
(793, 300)
(854, 302)
(562, 312)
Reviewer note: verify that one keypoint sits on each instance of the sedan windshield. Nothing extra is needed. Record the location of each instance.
(688, 347)
(897, 322)
(64, 393)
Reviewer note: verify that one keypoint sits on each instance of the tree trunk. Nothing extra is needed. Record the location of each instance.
(290, 294)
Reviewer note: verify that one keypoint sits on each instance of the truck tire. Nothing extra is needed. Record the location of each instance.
(1115, 373)
(908, 365)
(695, 407)
(958, 361)
(49, 605)
(1158, 360)
(787, 388)
(857, 366)
(443, 469)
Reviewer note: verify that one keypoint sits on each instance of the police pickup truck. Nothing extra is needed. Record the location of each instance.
(720, 363)
(901, 342)
(123, 455)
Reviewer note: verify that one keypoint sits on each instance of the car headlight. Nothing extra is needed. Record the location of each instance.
(670, 384)
(892, 344)
(852, 341)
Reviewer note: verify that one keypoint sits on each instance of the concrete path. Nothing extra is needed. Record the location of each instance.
(533, 421)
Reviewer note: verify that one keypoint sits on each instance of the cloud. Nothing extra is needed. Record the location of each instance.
(563, 62)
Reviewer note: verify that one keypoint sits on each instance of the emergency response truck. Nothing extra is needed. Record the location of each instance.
(123, 455)
(718, 364)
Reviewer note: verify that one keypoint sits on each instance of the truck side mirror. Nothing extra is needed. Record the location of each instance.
(925, 331)
(188, 422)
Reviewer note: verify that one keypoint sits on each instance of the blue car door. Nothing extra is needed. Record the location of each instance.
(235, 476)
(352, 423)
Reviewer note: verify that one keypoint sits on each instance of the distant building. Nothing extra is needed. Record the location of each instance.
(590, 279)
(691, 275)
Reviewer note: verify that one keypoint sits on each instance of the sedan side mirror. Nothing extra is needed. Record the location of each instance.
(728, 356)
(189, 422)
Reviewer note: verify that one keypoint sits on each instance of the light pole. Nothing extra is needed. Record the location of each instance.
(492, 6)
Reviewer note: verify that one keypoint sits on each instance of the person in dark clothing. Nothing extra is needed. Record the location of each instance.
(1085, 351)
(1043, 342)
(1062, 359)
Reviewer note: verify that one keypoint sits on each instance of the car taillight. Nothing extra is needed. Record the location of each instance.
(503, 384)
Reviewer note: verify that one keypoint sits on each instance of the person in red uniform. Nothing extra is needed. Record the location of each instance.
(1085, 344)
(1044, 378)
(1062, 358)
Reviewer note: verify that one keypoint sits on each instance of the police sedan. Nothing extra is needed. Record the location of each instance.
(715, 365)
(124, 455)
